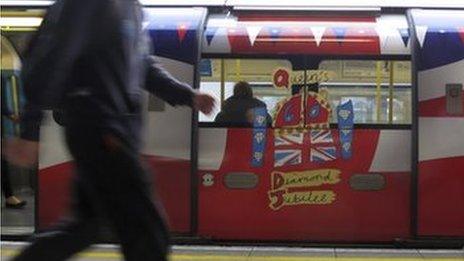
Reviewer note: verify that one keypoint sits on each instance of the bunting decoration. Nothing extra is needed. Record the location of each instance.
(318, 31)
(182, 30)
(253, 32)
(421, 31)
(461, 33)
(339, 34)
(404, 32)
(274, 33)
(173, 33)
(209, 34)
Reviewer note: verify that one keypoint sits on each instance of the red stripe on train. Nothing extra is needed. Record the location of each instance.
(441, 197)
(436, 108)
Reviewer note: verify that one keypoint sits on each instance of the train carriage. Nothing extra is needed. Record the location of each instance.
(365, 143)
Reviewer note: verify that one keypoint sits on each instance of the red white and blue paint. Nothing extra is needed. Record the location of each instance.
(439, 53)
(325, 207)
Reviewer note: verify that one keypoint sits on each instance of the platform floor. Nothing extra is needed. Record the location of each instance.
(220, 253)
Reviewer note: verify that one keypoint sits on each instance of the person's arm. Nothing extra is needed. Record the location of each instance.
(65, 32)
(162, 84)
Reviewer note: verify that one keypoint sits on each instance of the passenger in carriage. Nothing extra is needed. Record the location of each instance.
(238, 109)
(92, 57)
(11, 201)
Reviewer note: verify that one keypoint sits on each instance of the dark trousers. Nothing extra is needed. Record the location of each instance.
(111, 184)
(6, 183)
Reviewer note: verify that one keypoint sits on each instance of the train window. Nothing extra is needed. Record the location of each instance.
(379, 90)
(219, 76)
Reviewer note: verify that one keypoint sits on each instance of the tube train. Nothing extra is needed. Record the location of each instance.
(318, 174)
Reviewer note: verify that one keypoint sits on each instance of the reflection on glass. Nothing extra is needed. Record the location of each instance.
(348, 79)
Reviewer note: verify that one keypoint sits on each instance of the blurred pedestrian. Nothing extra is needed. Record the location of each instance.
(90, 58)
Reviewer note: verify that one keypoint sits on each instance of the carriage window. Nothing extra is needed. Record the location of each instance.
(220, 76)
(380, 91)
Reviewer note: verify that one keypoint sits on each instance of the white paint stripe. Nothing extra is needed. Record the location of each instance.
(432, 82)
(211, 148)
(393, 152)
(167, 133)
(52, 150)
(440, 138)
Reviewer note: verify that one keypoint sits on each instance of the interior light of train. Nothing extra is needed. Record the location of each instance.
(26, 3)
(307, 8)
(183, 2)
(340, 5)
(20, 21)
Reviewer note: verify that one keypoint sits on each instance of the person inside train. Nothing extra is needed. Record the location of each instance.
(238, 109)
(11, 201)
(92, 57)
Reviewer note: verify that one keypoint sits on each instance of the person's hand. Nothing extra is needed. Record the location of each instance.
(14, 118)
(20, 152)
(203, 102)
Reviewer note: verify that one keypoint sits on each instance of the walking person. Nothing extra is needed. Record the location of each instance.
(90, 58)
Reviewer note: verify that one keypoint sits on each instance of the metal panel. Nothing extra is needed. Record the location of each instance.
(367, 182)
(241, 180)
(454, 99)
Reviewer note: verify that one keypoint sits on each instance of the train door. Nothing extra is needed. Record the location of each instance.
(169, 131)
(334, 164)
(438, 56)
(20, 182)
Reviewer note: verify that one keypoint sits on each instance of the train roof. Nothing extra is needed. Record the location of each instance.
(281, 5)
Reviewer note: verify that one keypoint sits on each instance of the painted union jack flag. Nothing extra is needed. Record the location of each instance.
(322, 148)
(288, 149)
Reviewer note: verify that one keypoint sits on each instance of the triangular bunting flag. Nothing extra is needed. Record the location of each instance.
(421, 31)
(274, 32)
(210, 32)
(461, 33)
(318, 31)
(339, 33)
(253, 32)
(145, 25)
(404, 32)
(182, 31)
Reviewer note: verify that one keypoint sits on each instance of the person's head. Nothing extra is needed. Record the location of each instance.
(243, 90)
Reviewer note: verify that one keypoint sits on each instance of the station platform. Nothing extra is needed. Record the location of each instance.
(250, 253)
